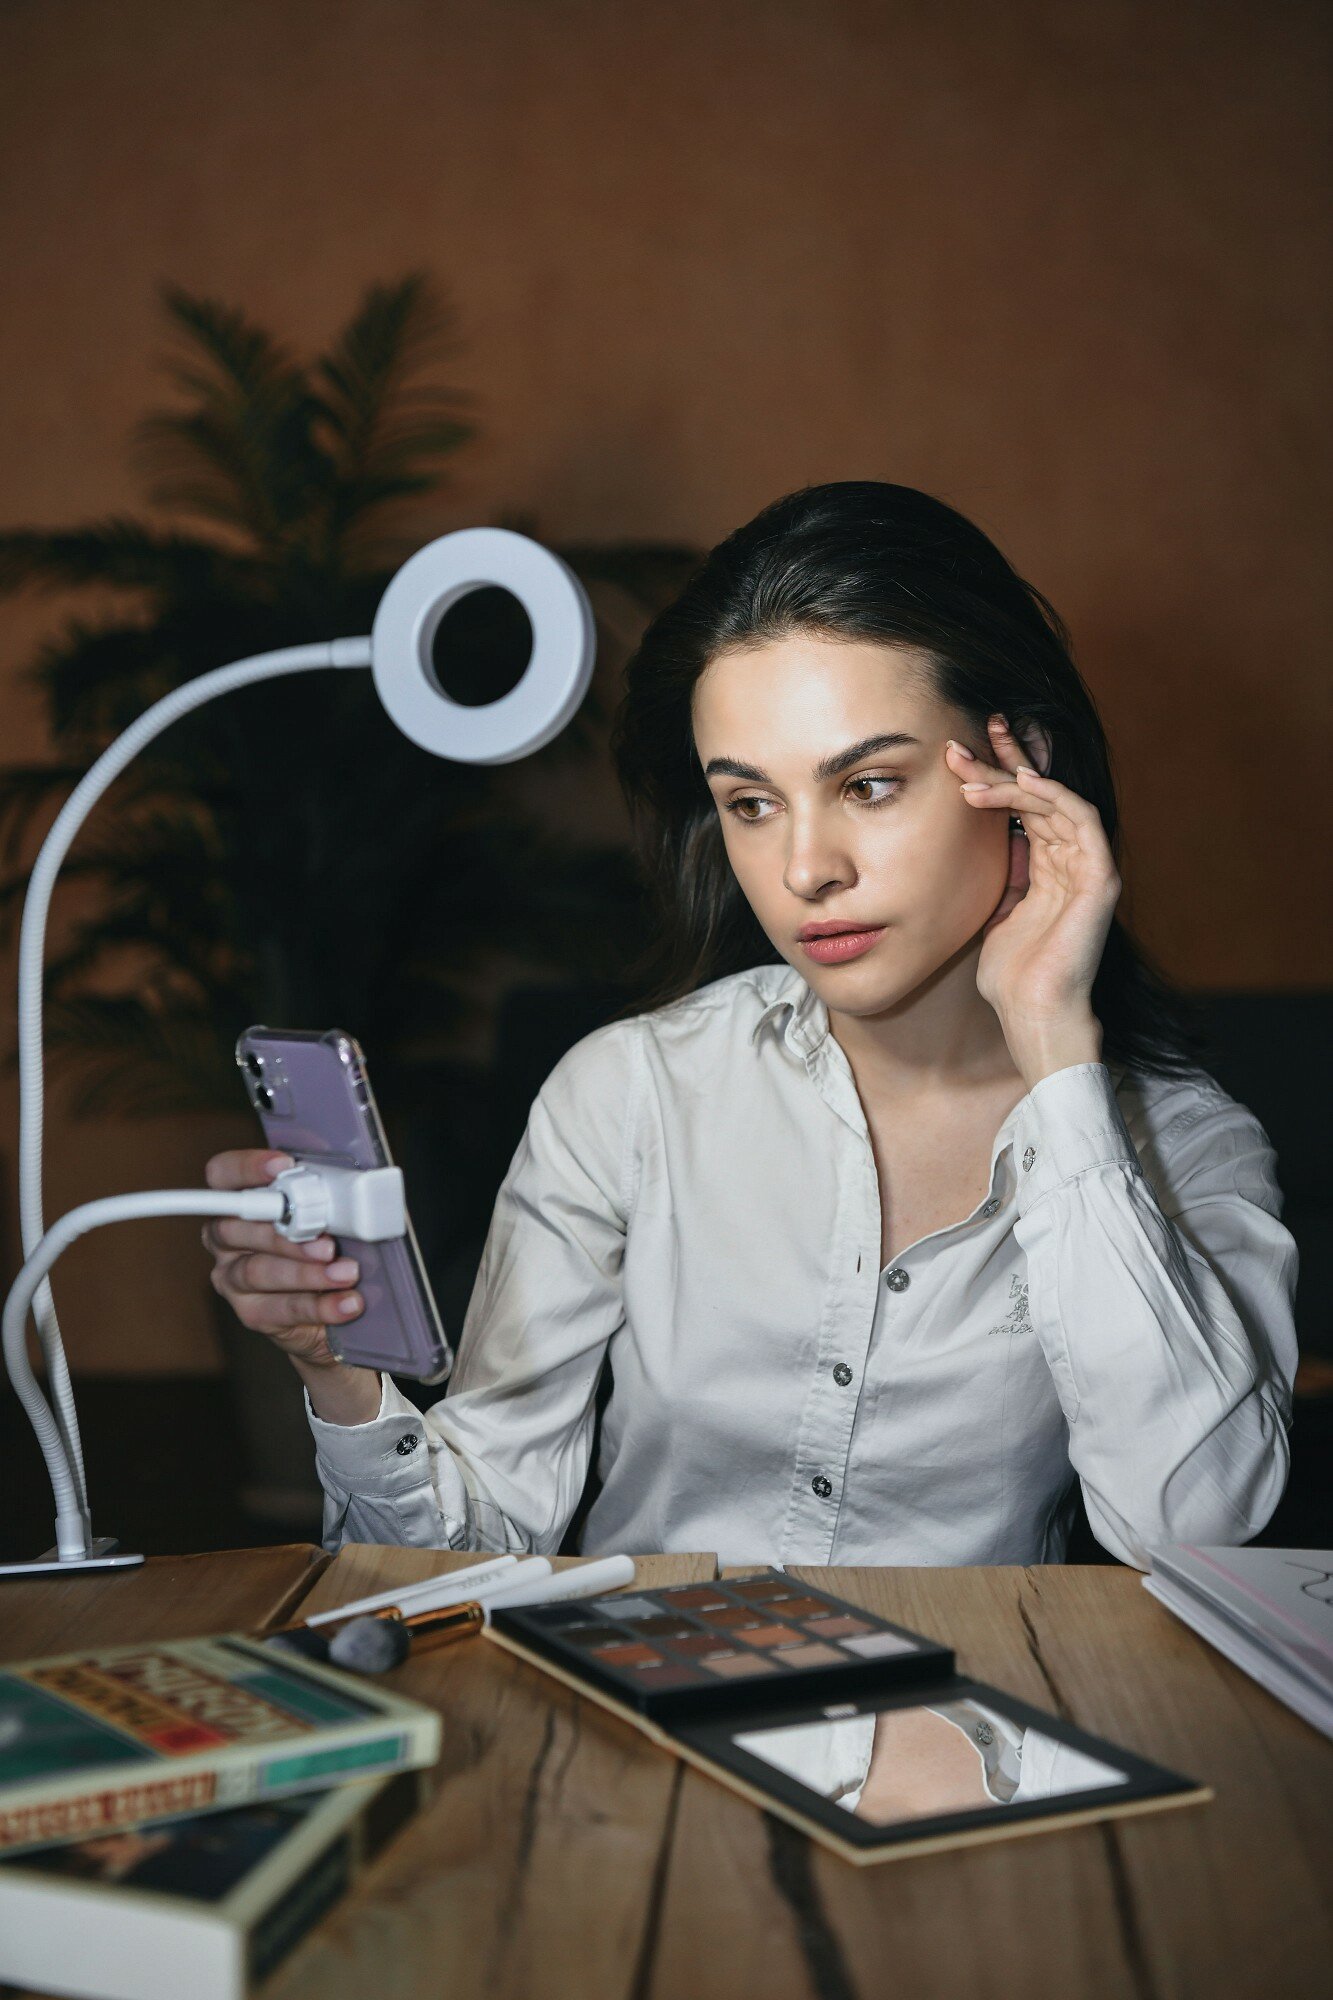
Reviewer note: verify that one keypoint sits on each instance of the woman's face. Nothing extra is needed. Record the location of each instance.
(881, 838)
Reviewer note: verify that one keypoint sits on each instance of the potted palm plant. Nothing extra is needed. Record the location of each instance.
(285, 854)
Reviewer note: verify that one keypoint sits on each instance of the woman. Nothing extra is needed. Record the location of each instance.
(900, 1204)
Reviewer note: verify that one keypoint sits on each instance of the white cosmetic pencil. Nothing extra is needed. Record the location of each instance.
(436, 1591)
(379, 1642)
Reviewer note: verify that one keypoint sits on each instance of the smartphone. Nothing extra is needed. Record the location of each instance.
(312, 1093)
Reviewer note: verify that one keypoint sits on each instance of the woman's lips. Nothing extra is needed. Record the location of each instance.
(845, 944)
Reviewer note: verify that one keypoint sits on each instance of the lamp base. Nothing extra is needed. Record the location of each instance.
(105, 1553)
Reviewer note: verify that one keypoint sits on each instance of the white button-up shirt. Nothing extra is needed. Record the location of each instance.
(695, 1198)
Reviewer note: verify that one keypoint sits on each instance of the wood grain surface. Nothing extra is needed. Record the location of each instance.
(565, 1854)
(166, 1597)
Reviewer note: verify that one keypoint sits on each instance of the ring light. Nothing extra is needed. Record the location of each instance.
(410, 614)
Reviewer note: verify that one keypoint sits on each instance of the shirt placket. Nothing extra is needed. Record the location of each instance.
(847, 1322)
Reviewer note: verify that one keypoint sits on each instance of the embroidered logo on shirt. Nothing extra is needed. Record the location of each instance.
(1017, 1320)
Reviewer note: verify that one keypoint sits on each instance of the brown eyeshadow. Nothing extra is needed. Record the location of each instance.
(663, 1628)
(692, 1599)
(770, 1635)
(698, 1642)
(760, 1589)
(835, 1628)
(730, 1614)
(627, 1656)
(667, 1676)
(810, 1656)
(805, 1607)
(738, 1666)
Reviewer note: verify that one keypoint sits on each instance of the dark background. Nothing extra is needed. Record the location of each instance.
(1062, 263)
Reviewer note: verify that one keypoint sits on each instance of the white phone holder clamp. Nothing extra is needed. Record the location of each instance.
(368, 1203)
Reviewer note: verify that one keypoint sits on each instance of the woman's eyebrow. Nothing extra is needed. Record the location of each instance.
(828, 767)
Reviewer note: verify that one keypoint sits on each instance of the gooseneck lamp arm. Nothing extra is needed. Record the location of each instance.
(32, 954)
(400, 650)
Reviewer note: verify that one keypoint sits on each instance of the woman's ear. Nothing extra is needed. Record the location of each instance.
(1037, 743)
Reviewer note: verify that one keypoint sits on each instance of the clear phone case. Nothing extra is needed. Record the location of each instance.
(313, 1098)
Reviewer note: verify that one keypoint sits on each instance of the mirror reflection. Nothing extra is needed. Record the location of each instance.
(917, 1763)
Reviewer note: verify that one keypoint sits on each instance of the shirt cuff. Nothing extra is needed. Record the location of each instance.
(384, 1456)
(1068, 1124)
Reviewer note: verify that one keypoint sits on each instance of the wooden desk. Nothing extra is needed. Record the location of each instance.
(566, 1854)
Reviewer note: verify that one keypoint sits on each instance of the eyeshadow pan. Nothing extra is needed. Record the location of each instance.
(835, 1627)
(584, 1635)
(631, 1607)
(806, 1607)
(761, 1589)
(631, 1655)
(664, 1628)
(697, 1643)
(809, 1656)
(667, 1676)
(770, 1635)
(877, 1643)
(739, 1666)
(731, 1614)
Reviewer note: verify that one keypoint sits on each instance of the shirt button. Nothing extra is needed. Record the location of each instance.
(823, 1487)
(991, 1207)
(407, 1443)
(897, 1279)
(1028, 1158)
(842, 1374)
(984, 1733)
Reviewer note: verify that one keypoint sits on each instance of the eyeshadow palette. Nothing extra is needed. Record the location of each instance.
(856, 1731)
(692, 1648)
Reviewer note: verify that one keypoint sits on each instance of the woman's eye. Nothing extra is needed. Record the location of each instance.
(884, 797)
(740, 806)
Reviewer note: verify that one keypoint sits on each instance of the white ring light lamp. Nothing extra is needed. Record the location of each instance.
(412, 610)
(400, 652)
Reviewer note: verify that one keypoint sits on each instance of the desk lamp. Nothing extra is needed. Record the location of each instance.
(399, 652)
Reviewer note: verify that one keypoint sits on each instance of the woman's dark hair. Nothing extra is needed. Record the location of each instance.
(857, 560)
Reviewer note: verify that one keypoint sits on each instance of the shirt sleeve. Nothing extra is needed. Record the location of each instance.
(499, 1463)
(1162, 1291)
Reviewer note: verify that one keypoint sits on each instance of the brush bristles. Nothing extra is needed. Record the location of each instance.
(370, 1645)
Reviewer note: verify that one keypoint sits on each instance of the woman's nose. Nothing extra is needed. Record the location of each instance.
(816, 856)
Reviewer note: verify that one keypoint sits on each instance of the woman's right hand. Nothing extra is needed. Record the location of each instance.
(288, 1291)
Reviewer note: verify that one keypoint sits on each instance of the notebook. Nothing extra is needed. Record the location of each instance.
(1269, 1610)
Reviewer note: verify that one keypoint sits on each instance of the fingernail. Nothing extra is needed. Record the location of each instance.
(978, 787)
(351, 1304)
(962, 750)
(279, 1164)
(343, 1271)
(1026, 771)
(322, 1247)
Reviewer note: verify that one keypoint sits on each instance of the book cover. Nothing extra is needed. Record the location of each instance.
(129, 1735)
(1270, 1611)
(206, 1904)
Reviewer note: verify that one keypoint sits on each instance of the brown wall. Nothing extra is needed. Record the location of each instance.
(1062, 264)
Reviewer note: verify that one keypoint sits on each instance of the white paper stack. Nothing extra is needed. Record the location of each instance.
(1269, 1610)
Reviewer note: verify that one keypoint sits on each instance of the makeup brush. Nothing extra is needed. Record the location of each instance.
(379, 1643)
(462, 1586)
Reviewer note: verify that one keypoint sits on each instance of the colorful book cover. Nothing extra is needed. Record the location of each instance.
(127, 1735)
(206, 1904)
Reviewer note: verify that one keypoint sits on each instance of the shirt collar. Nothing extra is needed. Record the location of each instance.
(782, 990)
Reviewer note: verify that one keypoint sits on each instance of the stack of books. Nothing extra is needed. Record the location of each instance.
(174, 1817)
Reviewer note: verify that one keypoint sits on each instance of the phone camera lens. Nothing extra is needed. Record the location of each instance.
(254, 1063)
(264, 1097)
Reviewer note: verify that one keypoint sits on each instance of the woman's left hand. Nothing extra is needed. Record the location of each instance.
(1042, 947)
